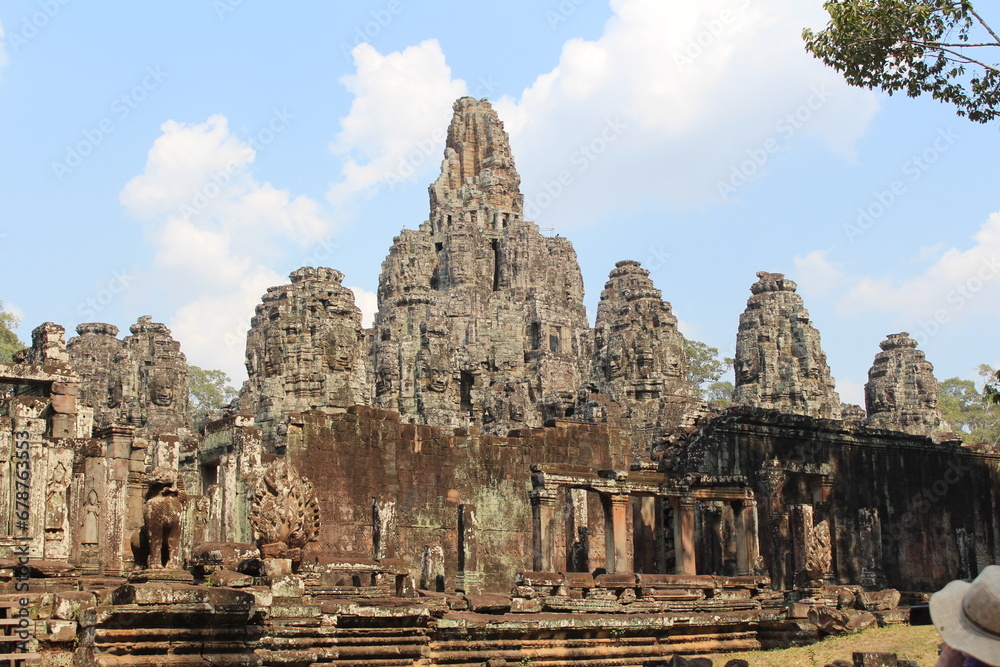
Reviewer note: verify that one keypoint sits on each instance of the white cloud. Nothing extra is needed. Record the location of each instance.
(958, 283)
(396, 125)
(671, 99)
(215, 230)
(368, 303)
(213, 327)
(816, 274)
(851, 392)
(666, 103)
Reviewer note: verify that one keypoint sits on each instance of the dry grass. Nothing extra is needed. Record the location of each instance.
(918, 643)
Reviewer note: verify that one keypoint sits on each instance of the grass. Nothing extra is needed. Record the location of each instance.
(918, 643)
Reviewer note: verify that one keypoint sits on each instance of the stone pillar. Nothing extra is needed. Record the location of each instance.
(577, 531)
(620, 505)
(469, 577)
(684, 535)
(432, 568)
(543, 504)
(645, 535)
(383, 529)
(747, 544)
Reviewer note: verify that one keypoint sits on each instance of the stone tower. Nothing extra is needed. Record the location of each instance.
(901, 393)
(639, 360)
(305, 350)
(481, 318)
(96, 354)
(780, 364)
(141, 381)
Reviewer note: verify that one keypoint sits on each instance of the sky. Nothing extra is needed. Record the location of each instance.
(176, 159)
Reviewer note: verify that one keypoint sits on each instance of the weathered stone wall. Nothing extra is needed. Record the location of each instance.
(415, 480)
(779, 362)
(902, 511)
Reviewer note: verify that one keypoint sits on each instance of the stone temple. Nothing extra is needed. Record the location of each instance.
(481, 478)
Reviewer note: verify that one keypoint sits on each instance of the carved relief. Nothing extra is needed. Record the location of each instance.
(284, 508)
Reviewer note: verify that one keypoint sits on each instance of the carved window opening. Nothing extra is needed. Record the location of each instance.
(465, 391)
(449, 221)
(209, 476)
(438, 247)
(496, 265)
(555, 339)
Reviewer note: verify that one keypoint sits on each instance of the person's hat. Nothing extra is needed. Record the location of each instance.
(968, 615)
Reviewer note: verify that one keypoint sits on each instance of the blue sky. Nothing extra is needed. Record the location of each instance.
(176, 159)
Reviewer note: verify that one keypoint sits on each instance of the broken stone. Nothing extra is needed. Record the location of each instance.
(879, 600)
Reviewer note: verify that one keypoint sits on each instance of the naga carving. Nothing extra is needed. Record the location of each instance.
(285, 509)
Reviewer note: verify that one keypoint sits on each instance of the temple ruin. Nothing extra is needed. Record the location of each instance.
(481, 478)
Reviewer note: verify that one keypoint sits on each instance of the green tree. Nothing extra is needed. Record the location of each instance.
(9, 342)
(209, 390)
(705, 370)
(940, 47)
(966, 409)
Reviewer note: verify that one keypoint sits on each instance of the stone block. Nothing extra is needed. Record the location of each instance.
(63, 426)
(879, 600)
(63, 404)
(277, 567)
(525, 606)
(230, 579)
(289, 586)
(68, 605)
(61, 631)
(66, 388)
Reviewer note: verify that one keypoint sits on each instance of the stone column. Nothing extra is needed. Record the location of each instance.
(619, 505)
(747, 545)
(383, 528)
(469, 576)
(645, 535)
(577, 531)
(684, 535)
(543, 505)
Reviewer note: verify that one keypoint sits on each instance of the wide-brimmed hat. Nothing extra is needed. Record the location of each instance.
(968, 615)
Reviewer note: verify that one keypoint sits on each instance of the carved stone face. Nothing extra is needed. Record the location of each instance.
(340, 352)
(114, 394)
(746, 371)
(438, 379)
(161, 391)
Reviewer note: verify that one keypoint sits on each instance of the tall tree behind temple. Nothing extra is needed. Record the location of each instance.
(9, 342)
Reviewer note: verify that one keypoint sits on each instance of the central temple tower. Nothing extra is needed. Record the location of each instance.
(481, 318)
